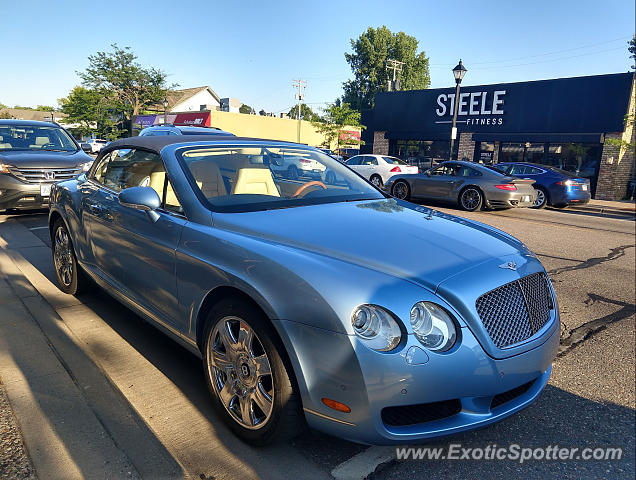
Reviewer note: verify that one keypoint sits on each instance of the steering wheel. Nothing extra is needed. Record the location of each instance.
(304, 187)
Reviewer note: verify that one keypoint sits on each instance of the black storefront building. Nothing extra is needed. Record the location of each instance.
(565, 122)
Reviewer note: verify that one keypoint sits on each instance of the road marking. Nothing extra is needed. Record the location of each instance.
(38, 228)
(363, 464)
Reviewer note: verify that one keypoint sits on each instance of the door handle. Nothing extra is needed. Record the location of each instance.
(96, 209)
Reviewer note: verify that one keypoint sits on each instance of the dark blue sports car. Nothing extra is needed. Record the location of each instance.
(555, 187)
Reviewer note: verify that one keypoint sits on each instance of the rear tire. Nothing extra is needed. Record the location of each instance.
(235, 372)
(470, 199)
(401, 190)
(542, 199)
(71, 278)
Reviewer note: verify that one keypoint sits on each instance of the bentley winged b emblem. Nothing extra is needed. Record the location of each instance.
(509, 266)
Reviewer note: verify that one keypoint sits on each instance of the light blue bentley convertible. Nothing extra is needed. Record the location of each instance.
(308, 293)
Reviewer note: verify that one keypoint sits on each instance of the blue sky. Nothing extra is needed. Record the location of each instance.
(253, 50)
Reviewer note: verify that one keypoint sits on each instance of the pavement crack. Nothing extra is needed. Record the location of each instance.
(588, 329)
(592, 262)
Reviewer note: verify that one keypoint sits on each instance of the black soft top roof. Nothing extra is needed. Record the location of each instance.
(156, 143)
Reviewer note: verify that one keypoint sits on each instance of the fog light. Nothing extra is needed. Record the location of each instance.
(341, 407)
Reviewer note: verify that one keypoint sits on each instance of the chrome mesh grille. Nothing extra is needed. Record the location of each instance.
(516, 311)
(39, 175)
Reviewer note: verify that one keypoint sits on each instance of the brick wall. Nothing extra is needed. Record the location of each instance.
(380, 143)
(617, 162)
(466, 146)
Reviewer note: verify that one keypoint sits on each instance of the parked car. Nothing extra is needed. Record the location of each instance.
(331, 153)
(468, 184)
(298, 165)
(33, 156)
(554, 186)
(379, 168)
(168, 129)
(280, 287)
(96, 144)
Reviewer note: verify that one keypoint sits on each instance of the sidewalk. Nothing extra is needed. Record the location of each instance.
(622, 207)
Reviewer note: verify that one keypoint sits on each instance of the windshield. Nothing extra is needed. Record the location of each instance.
(263, 177)
(35, 137)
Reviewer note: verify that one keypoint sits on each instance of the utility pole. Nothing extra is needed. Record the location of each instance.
(396, 66)
(300, 84)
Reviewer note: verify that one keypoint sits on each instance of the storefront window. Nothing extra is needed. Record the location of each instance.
(581, 159)
(522, 152)
(484, 152)
(421, 152)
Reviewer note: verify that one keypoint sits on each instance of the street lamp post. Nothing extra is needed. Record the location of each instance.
(458, 72)
(165, 111)
(52, 119)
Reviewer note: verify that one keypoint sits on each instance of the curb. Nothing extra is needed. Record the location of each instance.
(604, 210)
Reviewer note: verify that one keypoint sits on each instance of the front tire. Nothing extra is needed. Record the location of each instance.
(71, 278)
(401, 190)
(471, 199)
(251, 384)
(376, 180)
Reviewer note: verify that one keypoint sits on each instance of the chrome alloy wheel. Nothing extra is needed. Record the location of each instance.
(63, 256)
(240, 372)
(376, 181)
(540, 198)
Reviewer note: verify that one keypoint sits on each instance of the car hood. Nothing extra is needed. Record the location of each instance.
(43, 159)
(416, 243)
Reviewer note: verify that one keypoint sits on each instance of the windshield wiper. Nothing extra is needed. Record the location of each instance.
(56, 150)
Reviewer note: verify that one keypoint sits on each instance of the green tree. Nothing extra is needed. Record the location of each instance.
(632, 50)
(44, 108)
(368, 62)
(335, 119)
(129, 87)
(83, 107)
(306, 113)
(21, 107)
(245, 108)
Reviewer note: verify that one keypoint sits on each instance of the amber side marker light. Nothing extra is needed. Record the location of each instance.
(341, 407)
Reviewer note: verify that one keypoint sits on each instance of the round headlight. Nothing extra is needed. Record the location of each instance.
(376, 327)
(432, 326)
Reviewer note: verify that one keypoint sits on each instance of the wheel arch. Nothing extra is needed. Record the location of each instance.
(220, 293)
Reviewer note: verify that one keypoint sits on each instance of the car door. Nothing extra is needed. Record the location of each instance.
(368, 166)
(354, 163)
(438, 184)
(133, 249)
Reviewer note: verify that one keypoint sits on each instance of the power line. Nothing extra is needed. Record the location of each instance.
(541, 54)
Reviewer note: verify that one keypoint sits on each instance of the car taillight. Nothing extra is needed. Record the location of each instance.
(506, 186)
(395, 170)
(571, 183)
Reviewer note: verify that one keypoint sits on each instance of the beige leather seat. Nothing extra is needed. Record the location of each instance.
(4, 145)
(157, 179)
(256, 181)
(208, 177)
(39, 141)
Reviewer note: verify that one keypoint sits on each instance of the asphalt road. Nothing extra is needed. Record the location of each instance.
(589, 401)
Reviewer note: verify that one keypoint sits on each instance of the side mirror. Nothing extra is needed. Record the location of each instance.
(428, 173)
(141, 198)
(86, 147)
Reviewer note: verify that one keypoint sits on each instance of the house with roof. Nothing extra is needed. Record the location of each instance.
(194, 99)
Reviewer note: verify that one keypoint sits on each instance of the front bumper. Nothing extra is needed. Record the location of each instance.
(369, 381)
(15, 194)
